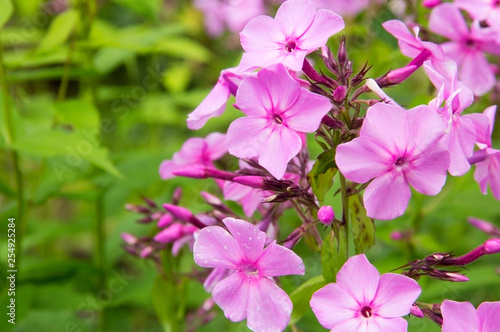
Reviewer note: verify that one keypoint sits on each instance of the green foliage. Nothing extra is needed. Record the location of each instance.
(6, 11)
(302, 295)
(59, 31)
(333, 252)
(363, 228)
(322, 173)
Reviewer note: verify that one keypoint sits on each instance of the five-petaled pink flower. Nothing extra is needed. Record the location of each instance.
(487, 10)
(463, 317)
(363, 301)
(195, 151)
(466, 47)
(398, 148)
(249, 292)
(298, 29)
(277, 110)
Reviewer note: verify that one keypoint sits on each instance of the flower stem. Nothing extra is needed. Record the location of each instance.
(10, 139)
(345, 210)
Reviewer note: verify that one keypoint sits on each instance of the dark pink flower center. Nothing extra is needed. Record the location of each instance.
(366, 312)
(401, 162)
(290, 46)
(249, 269)
(278, 119)
(496, 3)
(470, 42)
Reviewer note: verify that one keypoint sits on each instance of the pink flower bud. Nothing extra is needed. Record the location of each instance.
(183, 214)
(397, 236)
(170, 234)
(339, 94)
(416, 311)
(430, 3)
(129, 238)
(165, 220)
(456, 277)
(211, 199)
(250, 181)
(492, 246)
(194, 172)
(326, 215)
(482, 225)
(146, 251)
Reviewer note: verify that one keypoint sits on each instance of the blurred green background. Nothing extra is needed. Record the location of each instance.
(94, 96)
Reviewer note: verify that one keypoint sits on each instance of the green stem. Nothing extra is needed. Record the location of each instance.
(10, 139)
(100, 257)
(345, 210)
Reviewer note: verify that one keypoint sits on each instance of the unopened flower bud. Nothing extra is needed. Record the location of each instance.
(326, 215)
(183, 214)
(397, 236)
(416, 311)
(165, 220)
(194, 172)
(492, 246)
(170, 234)
(294, 238)
(136, 208)
(430, 3)
(339, 94)
(342, 53)
(176, 197)
(482, 225)
(250, 181)
(456, 277)
(129, 238)
(146, 251)
(210, 199)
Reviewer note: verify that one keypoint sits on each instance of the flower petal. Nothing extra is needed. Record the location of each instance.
(333, 304)
(459, 317)
(261, 34)
(476, 73)
(306, 114)
(447, 20)
(387, 196)
(382, 324)
(489, 315)
(360, 278)
(253, 98)
(324, 25)
(232, 296)
(246, 136)
(215, 247)
(269, 307)
(283, 144)
(427, 173)
(425, 129)
(295, 17)
(363, 159)
(395, 295)
(213, 105)
(387, 124)
(282, 88)
(249, 238)
(216, 145)
(358, 324)
(277, 260)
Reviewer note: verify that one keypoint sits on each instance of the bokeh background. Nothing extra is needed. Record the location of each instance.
(97, 93)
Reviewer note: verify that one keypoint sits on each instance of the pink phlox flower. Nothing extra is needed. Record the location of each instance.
(396, 148)
(460, 130)
(215, 102)
(195, 151)
(343, 7)
(411, 45)
(277, 110)
(466, 47)
(249, 292)
(487, 159)
(463, 317)
(231, 13)
(363, 300)
(482, 10)
(444, 74)
(297, 30)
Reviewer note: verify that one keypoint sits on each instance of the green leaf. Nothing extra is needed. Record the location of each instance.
(322, 173)
(78, 113)
(59, 30)
(108, 59)
(183, 48)
(363, 229)
(75, 146)
(302, 295)
(176, 78)
(6, 11)
(333, 253)
(165, 299)
(146, 8)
